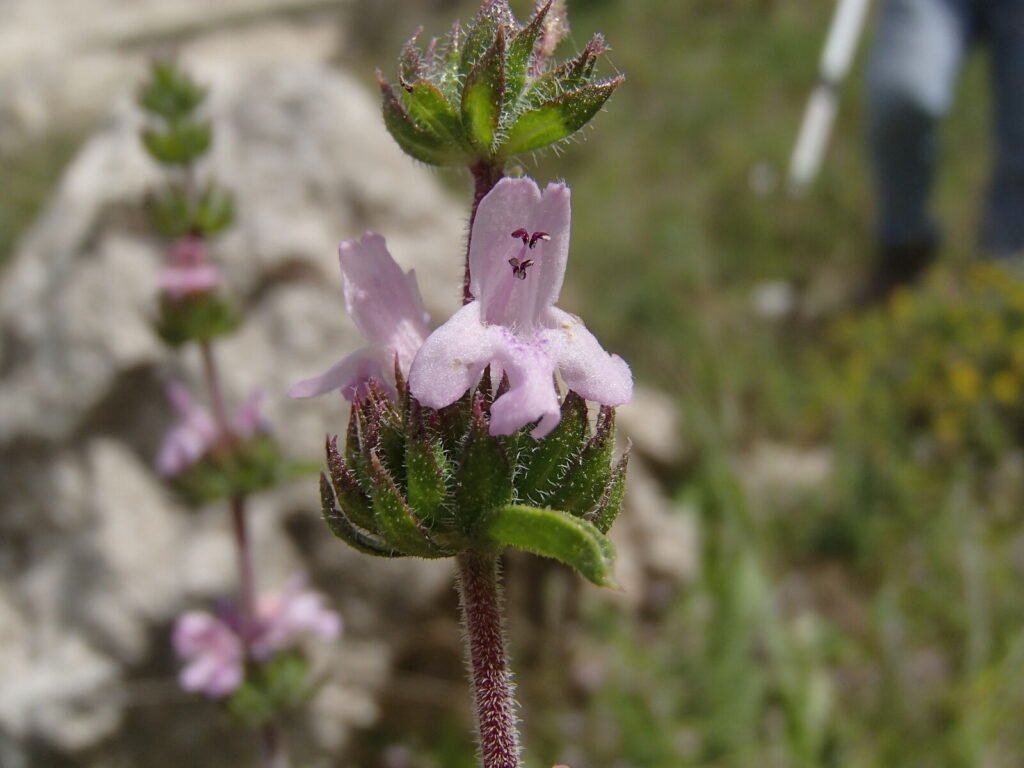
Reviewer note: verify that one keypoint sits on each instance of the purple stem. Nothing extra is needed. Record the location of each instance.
(480, 598)
(485, 176)
(272, 750)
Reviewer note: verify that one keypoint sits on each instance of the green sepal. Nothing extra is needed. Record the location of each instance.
(520, 53)
(382, 431)
(483, 95)
(170, 93)
(558, 118)
(414, 139)
(180, 143)
(542, 462)
(215, 211)
(483, 481)
(344, 529)
(587, 476)
(169, 212)
(428, 107)
(567, 76)
(354, 459)
(554, 534)
(396, 522)
(271, 689)
(493, 16)
(352, 499)
(610, 504)
(427, 475)
(410, 62)
(240, 469)
(196, 317)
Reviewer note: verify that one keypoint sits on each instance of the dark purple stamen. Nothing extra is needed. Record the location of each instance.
(539, 236)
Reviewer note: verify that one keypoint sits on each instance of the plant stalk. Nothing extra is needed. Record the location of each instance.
(271, 746)
(491, 679)
(485, 176)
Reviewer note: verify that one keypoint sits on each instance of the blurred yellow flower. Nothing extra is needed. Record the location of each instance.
(949, 428)
(1006, 387)
(965, 380)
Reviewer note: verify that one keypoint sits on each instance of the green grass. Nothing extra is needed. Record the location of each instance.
(27, 175)
(873, 621)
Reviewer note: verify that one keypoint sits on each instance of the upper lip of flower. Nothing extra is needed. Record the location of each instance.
(386, 306)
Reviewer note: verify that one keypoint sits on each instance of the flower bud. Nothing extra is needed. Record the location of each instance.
(490, 91)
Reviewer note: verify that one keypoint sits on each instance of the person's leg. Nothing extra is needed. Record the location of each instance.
(1003, 224)
(917, 53)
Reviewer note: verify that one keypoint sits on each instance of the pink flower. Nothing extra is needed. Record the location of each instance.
(188, 271)
(214, 647)
(188, 440)
(385, 305)
(196, 432)
(214, 652)
(517, 263)
(285, 616)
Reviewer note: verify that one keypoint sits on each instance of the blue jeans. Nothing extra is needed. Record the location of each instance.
(918, 51)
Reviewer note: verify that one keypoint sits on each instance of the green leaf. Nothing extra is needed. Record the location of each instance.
(544, 461)
(169, 212)
(344, 529)
(198, 317)
(270, 689)
(215, 211)
(170, 93)
(395, 520)
(520, 53)
(483, 96)
(181, 143)
(554, 534)
(483, 481)
(415, 140)
(558, 118)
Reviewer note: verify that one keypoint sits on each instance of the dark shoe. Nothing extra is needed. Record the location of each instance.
(897, 266)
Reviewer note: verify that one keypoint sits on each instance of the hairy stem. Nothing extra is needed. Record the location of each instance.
(272, 747)
(480, 598)
(485, 176)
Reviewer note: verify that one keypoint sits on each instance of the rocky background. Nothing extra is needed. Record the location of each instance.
(96, 556)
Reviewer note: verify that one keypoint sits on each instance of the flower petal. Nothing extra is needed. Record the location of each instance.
(518, 204)
(451, 359)
(585, 366)
(382, 300)
(348, 375)
(532, 394)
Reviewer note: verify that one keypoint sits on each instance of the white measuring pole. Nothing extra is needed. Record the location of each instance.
(840, 48)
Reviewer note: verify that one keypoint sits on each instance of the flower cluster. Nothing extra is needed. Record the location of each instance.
(195, 434)
(216, 648)
(461, 438)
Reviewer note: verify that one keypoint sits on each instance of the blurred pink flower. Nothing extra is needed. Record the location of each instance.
(214, 652)
(195, 432)
(214, 647)
(518, 253)
(385, 305)
(285, 616)
(188, 271)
